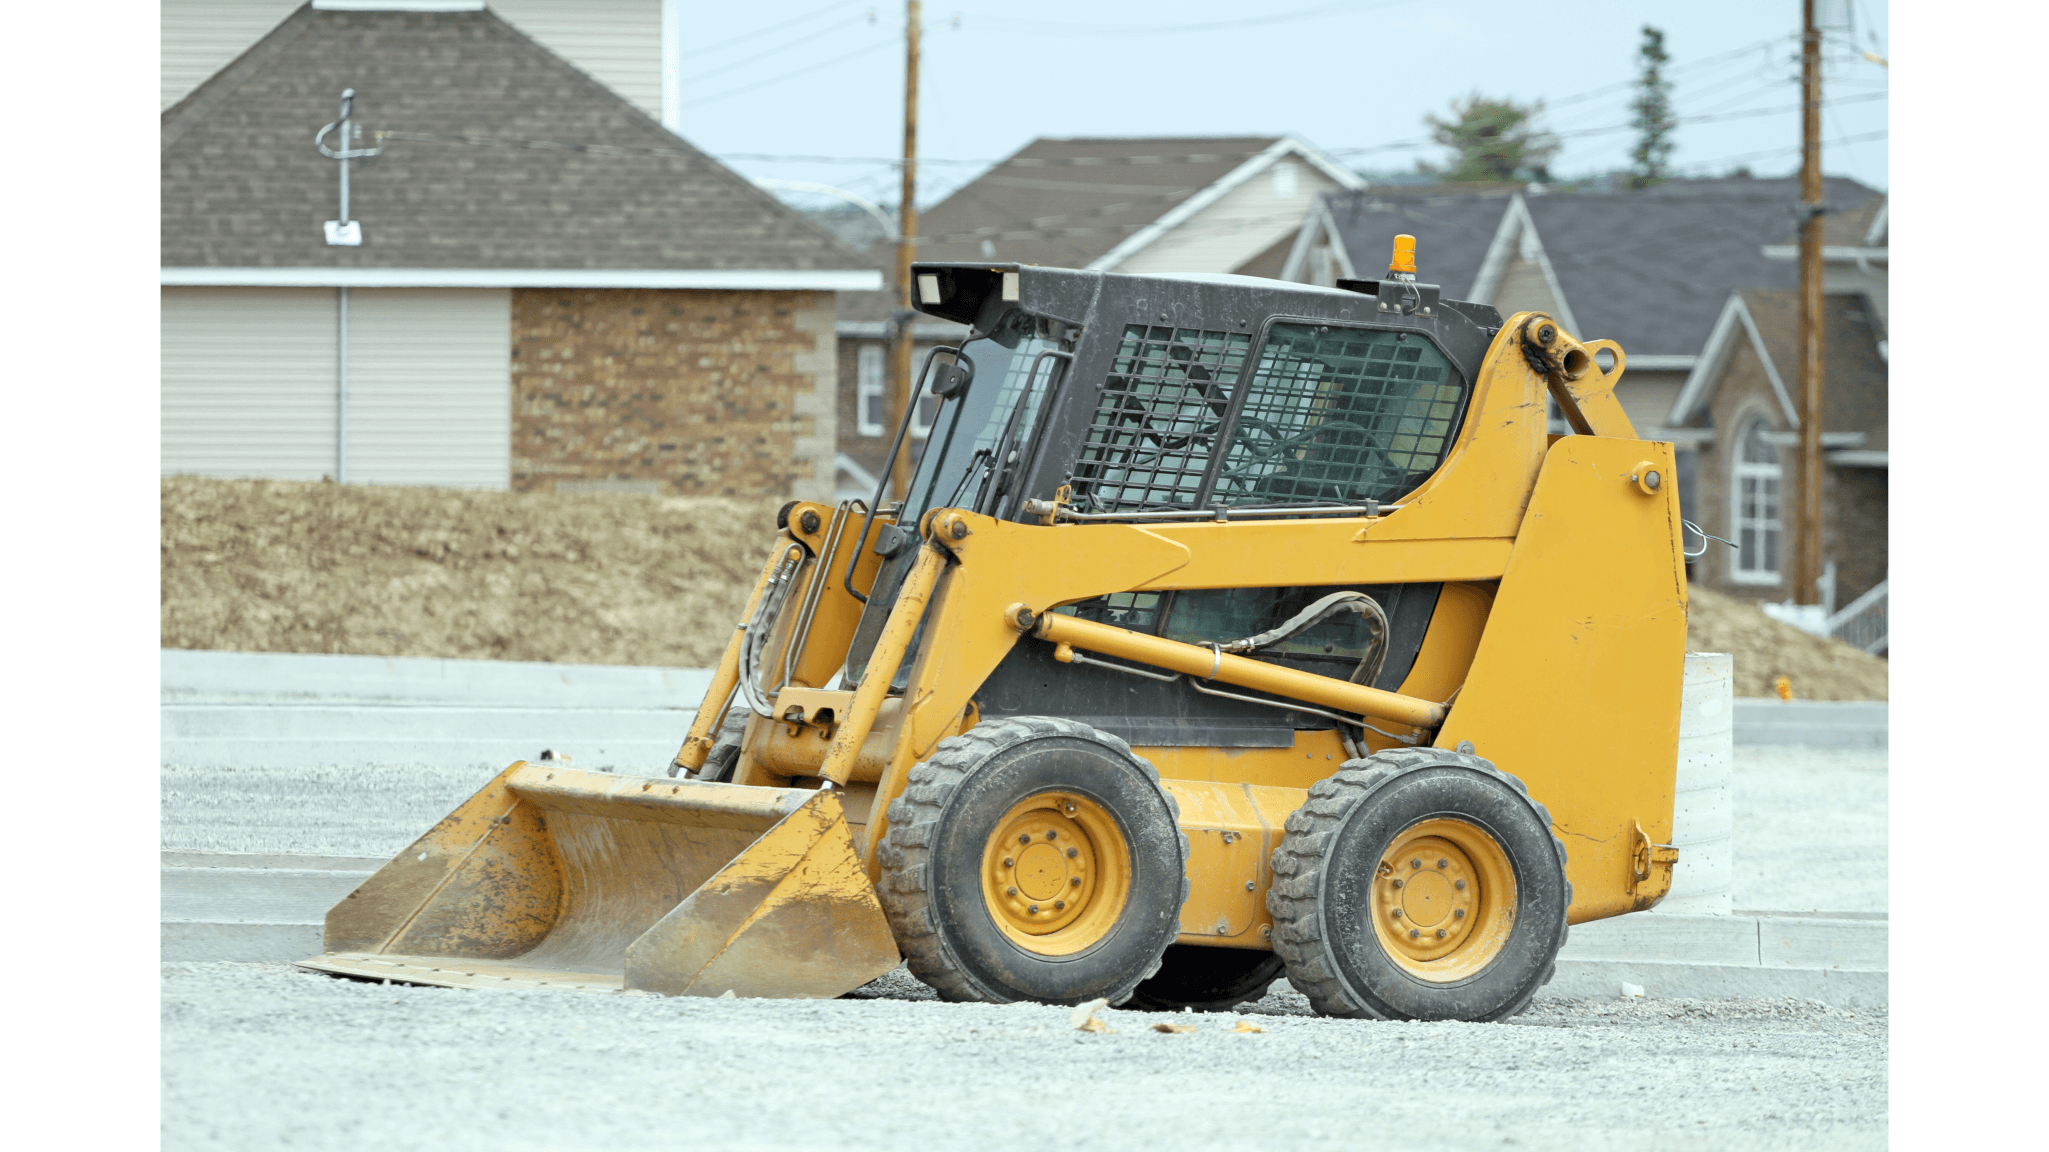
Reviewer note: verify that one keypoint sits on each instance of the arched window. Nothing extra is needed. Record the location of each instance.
(1754, 506)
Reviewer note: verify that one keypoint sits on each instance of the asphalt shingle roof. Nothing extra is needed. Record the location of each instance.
(1649, 269)
(1854, 390)
(242, 185)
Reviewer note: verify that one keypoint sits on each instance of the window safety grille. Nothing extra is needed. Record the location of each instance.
(1155, 425)
(1340, 415)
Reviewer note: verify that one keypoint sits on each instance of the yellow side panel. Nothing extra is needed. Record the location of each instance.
(1575, 688)
(1232, 832)
(1316, 754)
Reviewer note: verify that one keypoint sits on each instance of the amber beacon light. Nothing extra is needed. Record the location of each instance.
(1404, 259)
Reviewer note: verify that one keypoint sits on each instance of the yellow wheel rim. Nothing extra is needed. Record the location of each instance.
(1056, 873)
(1443, 900)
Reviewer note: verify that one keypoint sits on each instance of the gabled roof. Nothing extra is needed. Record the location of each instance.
(1070, 203)
(1453, 228)
(504, 161)
(1854, 389)
(1650, 269)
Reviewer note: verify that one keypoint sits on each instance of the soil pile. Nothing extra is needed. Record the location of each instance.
(1766, 649)
(280, 566)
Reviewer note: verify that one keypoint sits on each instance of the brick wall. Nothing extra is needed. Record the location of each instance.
(696, 393)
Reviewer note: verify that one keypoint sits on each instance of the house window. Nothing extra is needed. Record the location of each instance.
(869, 407)
(1284, 180)
(1756, 493)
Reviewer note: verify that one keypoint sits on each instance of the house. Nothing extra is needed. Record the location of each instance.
(1648, 269)
(547, 289)
(1150, 204)
(1740, 408)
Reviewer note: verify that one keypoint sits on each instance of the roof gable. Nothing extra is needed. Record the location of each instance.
(1068, 203)
(1453, 232)
(505, 157)
(1854, 395)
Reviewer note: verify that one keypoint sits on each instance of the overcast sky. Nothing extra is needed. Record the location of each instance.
(1356, 78)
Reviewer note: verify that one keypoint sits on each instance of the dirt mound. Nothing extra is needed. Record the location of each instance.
(278, 566)
(1766, 649)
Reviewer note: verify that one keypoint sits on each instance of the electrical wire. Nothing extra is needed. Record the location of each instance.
(785, 46)
(746, 36)
(807, 69)
(1015, 27)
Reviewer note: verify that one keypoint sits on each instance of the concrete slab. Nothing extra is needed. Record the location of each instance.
(313, 735)
(191, 676)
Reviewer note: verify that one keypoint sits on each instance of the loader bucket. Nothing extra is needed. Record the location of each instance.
(559, 878)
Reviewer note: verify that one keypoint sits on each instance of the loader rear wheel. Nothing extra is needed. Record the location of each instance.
(1419, 884)
(1033, 858)
(1207, 979)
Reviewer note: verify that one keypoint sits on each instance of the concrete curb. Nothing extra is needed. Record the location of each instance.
(1671, 979)
(201, 677)
(1814, 723)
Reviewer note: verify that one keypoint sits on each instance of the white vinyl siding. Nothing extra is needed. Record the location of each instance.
(248, 382)
(617, 41)
(198, 38)
(430, 386)
(1243, 223)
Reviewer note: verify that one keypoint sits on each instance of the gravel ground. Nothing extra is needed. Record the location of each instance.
(267, 1056)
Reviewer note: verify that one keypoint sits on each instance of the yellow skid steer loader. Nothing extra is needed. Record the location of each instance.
(1228, 628)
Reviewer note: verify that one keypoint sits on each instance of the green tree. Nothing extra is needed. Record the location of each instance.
(1495, 140)
(1652, 113)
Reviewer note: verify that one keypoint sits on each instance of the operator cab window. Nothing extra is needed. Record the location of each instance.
(1340, 416)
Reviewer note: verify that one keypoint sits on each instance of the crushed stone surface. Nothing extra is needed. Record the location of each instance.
(271, 1056)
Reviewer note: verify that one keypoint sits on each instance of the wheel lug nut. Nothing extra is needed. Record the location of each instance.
(1415, 863)
(1073, 852)
(1035, 909)
(1413, 933)
(1059, 904)
(1459, 884)
(1050, 835)
(1458, 913)
(1011, 891)
(1009, 863)
(1443, 863)
(1074, 881)
(1397, 883)
(1440, 933)
(1397, 913)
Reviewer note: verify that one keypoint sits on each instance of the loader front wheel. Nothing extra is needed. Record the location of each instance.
(1033, 858)
(1419, 884)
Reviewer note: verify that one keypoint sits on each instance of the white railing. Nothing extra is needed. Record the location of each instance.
(1862, 622)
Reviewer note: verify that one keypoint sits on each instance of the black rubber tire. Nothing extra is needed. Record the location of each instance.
(932, 857)
(1326, 861)
(1206, 979)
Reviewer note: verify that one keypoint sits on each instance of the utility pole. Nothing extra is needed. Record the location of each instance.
(900, 398)
(1807, 548)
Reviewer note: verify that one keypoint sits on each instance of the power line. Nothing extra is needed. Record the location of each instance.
(746, 36)
(784, 46)
(818, 67)
(1016, 27)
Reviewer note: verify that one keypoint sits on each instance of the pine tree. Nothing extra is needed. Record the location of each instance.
(1653, 113)
(1495, 141)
